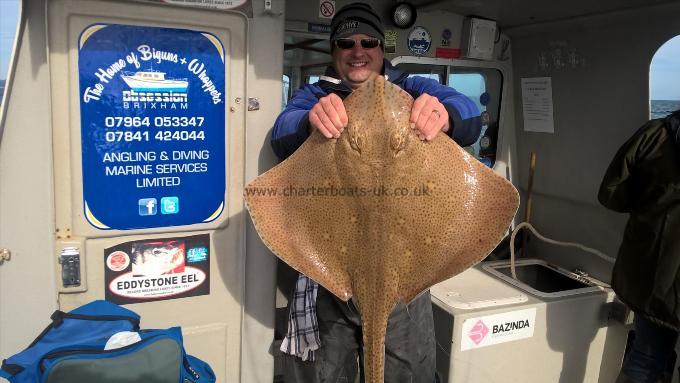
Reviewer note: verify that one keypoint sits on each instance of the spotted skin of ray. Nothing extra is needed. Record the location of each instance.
(347, 228)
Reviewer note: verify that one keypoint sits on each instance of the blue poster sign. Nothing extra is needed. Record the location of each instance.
(152, 107)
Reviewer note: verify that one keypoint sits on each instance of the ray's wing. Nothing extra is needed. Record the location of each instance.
(459, 211)
(454, 210)
(299, 219)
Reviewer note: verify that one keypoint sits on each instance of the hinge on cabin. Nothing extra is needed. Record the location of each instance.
(253, 103)
(5, 255)
(69, 259)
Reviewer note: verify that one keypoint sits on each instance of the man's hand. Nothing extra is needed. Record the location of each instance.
(329, 116)
(429, 116)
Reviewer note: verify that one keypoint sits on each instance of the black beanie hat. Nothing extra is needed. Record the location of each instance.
(356, 18)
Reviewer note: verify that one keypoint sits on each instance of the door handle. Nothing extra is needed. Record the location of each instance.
(5, 255)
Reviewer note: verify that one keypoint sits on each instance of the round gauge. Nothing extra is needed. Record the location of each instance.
(446, 34)
(404, 15)
(484, 98)
(485, 142)
(486, 118)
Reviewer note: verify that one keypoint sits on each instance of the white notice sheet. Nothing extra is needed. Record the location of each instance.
(537, 104)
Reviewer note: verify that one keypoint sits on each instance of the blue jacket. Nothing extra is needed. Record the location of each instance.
(291, 128)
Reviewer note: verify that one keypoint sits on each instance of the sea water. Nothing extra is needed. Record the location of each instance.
(662, 108)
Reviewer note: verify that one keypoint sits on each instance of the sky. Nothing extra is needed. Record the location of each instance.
(664, 70)
(9, 11)
(664, 82)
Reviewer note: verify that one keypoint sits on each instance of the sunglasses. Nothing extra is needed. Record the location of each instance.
(349, 43)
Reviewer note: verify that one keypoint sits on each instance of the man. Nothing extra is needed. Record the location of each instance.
(644, 180)
(316, 316)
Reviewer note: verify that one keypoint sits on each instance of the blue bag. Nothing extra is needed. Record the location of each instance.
(72, 349)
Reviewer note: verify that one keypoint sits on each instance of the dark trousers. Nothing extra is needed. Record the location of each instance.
(409, 344)
(649, 353)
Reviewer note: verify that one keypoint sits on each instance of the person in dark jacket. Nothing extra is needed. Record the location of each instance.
(323, 341)
(644, 181)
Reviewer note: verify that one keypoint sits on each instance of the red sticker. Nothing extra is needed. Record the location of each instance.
(117, 261)
(447, 53)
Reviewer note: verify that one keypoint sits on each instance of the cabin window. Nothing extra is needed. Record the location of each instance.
(471, 85)
(664, 77)
(313, 79)
(483, 86)
(9, 18)
(433, 76)
(286, 90)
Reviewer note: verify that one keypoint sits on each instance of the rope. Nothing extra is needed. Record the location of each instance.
(548, 240)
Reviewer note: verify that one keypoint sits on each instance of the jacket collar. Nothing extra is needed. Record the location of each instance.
(330, 82)
(673, 125)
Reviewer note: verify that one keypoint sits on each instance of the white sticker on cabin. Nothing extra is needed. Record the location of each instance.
(498, 328)
(326, 9)
(537, 104)
(214, 4)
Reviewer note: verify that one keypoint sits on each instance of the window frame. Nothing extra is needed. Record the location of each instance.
(650, 112)
(11, 66)
(449, 67)
(285, 92)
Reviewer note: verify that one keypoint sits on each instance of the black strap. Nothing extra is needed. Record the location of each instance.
(11, 368)
(190, 369)
(57, 320)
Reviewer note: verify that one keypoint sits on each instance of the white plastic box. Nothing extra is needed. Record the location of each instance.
(492, 331)
(478, 38)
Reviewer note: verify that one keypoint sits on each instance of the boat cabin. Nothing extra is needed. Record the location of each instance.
(111, 184)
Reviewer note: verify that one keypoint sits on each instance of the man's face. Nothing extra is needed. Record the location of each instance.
(357, 64)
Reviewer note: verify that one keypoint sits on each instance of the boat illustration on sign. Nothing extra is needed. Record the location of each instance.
(152, 81)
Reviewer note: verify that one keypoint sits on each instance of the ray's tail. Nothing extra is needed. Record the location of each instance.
(374, 330)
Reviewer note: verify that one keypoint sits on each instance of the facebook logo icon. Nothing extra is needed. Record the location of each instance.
(147, 206)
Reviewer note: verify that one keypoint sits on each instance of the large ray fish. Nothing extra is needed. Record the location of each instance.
(378, 214)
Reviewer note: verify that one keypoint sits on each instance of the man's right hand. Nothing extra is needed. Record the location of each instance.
(329, 116)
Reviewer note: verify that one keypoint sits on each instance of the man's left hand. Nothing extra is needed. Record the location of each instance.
(429, 116)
